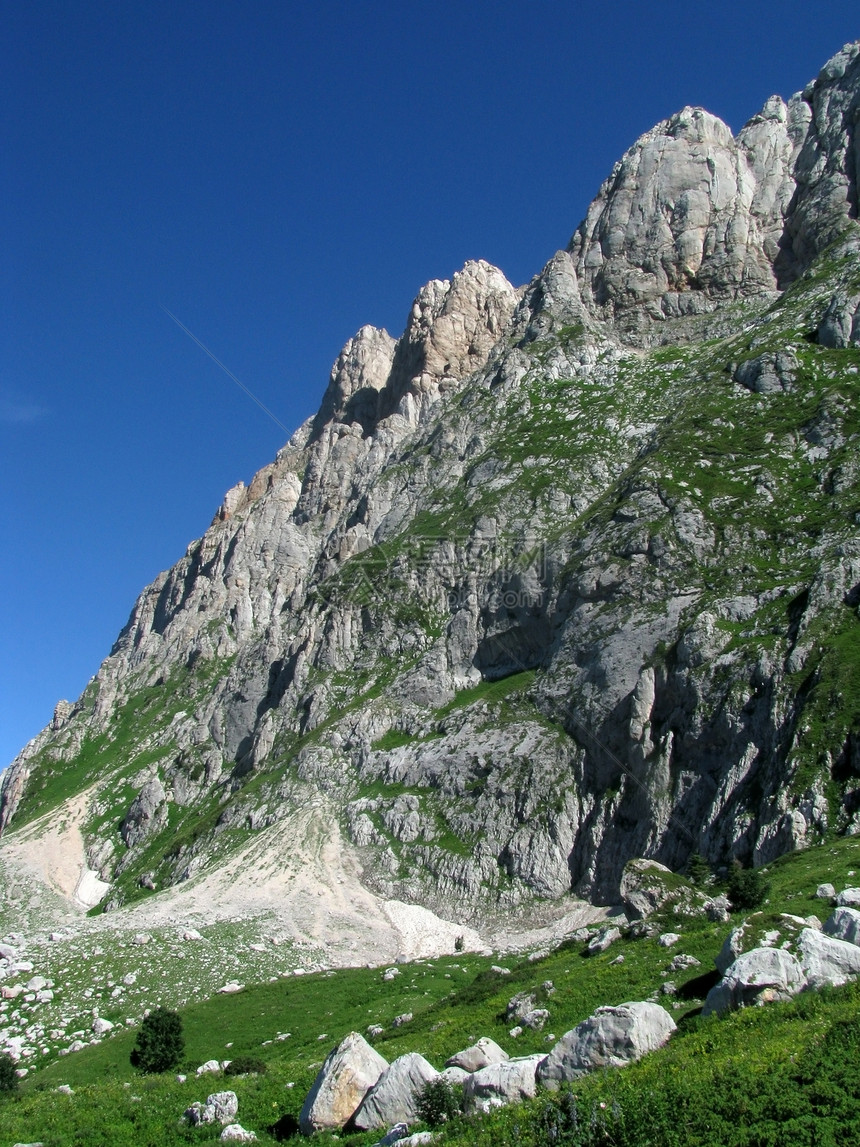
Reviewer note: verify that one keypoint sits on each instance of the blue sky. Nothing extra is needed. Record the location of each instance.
(278, 174)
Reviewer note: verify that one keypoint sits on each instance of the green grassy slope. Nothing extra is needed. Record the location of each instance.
(786, 1068)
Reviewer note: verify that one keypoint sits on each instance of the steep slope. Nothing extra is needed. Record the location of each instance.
(564, 575)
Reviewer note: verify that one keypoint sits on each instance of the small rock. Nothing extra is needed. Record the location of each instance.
(142, 938)
(668, 939)
(601, 941)
(515, 1032)
(101, 1027)
(210, 1067)
(682, 960)
(237, 1133)
(230, 988)
(499, 970)
(617, 960)
(825, 892)
(399, 1021)
(480, 1054)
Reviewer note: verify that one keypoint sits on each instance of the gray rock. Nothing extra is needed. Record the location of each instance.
(210, 1067)
(519, 1006)
(844, 924)
(393, 1098)
(644, 888)
(667, 939)
(602, 940)
(827, 961)
(825, 892)
(453, 1074)
(536, 1019)
(511, 1081)
(236, 1133)
(770, 373)
(481, 1054)
(349, 1072)
(759, 976)
(611, 1037)
(848, 898)
(394, 1135)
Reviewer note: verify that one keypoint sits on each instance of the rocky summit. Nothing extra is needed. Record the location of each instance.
(565, 575)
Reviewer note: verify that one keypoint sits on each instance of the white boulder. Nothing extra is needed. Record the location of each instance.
(393, 1098)
(826, 960)
(511, 1081)
(349, 1072)
(611, 1037)
(844, 924)
(480, 1054)
(759, 976)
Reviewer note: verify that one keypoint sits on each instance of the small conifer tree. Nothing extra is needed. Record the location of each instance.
(160, 1043)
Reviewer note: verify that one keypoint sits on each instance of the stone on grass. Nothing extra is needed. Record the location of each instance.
(393, 1098)
(220, 1107)
(237, 1133)
(101, 1027)
(827, 962)
(844, 924)
(480, 1054)
(759, 976)
(602, 939)
(825, 892)
(395, 1134)
(848, 898)
(536, 1019)
(211, 1066)
(611, 1037)
(511, 1081)
(668, 939)
(349, 1072)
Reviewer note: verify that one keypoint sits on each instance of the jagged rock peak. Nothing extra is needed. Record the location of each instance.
(451, 328)
(692, 216)
(689, 215)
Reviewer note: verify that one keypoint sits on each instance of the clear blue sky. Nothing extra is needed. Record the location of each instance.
(278, 174)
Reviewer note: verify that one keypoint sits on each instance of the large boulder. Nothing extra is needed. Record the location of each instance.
(480, 1054)
(826, 960)
(848, 898)
(349, 1072)
(221, 1107)
(611, 1037)
(844, 924)
(393, 1098)
(512, 1081)
(757, 977)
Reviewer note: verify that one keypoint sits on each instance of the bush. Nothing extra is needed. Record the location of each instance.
(437, 1102)
(245, 1065)
(8, 1075)
(160, 1043)
(698, 870)
(747, 888)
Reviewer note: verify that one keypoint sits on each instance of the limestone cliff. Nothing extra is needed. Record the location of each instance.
(563, 575)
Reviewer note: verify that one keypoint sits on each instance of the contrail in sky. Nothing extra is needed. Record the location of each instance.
(226, 370)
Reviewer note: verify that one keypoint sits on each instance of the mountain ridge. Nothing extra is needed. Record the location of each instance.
(504, 494)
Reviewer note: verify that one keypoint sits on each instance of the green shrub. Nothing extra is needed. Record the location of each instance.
(245, 1065)
(747, 888)
(160, 1043)
(698, 870)
(8, 1075)
(437, 1102)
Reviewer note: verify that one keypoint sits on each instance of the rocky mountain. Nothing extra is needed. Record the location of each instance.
(565, 575)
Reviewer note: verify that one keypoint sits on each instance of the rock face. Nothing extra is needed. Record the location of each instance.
(500, 609)
(349, 1072)
(393, 1098)
(612, 1037)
